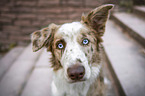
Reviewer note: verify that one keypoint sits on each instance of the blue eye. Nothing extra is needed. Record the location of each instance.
(60, 46)
(85, 41)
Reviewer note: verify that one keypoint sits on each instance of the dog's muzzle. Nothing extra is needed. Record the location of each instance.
(76, 73)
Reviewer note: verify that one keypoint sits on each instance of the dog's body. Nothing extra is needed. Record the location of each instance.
(76, 54)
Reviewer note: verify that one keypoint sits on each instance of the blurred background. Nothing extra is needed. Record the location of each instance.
(19, 18)
(27, 71)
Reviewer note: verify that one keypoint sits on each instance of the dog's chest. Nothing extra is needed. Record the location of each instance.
(78, 89)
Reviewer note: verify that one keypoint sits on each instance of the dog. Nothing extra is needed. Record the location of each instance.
(76, 53)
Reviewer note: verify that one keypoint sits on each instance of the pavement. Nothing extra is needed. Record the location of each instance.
(27, 75)
(127, 60)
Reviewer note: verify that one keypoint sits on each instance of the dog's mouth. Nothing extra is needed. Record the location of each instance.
(76, 81)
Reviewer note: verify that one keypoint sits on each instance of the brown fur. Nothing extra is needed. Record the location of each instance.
(96, 21)
(98, 88)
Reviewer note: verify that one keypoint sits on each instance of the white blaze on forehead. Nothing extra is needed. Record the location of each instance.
(70, 32)
(70, 29)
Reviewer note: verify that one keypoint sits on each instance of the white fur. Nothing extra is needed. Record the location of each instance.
(61, 88)
(61, 85)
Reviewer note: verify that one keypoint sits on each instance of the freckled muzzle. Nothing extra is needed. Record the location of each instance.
(76, 72)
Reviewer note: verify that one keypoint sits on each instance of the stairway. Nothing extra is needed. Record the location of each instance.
(24, 73)
(124, 46)
(132, 25)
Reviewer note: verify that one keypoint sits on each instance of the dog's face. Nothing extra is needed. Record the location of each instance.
(75, 46)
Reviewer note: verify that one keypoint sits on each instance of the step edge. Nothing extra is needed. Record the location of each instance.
(118, 87)
(9, 65)
(137, 37)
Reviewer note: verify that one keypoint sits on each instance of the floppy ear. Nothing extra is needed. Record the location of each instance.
(96, 19)
(41, 37)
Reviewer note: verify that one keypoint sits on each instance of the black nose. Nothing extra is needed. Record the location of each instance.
(76, 72)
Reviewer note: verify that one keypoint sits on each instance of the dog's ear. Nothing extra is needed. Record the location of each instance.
(41, 37)
(96, 19)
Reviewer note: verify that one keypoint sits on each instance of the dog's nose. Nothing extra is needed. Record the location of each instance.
(76, 72)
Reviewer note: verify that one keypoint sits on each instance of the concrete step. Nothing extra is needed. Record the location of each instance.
(44, 60)
(39, 83)
(7, 61)
(131, 24)
(40, 80)
(139, 10)
(13, 81)
(126, 61)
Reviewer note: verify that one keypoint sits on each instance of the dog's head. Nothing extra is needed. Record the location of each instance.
(75, 46)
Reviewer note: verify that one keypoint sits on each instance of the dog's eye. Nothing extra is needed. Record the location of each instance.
(85, 42)
(60, 45)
